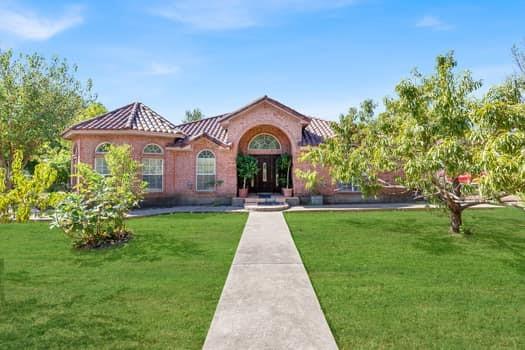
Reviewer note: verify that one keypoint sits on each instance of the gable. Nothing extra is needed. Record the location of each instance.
(266, 102)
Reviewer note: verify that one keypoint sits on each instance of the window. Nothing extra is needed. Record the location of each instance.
(152, 149)
(264, 141)
(205, 171)
(152, 173)
(103, 148)
(101, 166)
(347, 187)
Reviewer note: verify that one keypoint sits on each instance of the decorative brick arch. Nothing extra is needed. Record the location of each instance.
(272, 130)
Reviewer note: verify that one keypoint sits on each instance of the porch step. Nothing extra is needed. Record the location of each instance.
(266, 207)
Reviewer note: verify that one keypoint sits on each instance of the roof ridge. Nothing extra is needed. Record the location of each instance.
(201, 120)
(132, 115)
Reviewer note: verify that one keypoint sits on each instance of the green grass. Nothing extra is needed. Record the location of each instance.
(399, 280)
(158, 291)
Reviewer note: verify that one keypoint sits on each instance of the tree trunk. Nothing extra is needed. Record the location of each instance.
(455, 219)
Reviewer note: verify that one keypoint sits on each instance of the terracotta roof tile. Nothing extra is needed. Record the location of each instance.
(316, 132)
(135, 116)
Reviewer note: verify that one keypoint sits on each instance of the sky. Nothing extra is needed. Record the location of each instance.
(318, 56)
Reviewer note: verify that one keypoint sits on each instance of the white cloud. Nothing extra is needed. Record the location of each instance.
(236, 14)
(27, 24)
(433, 22)
(157, 68)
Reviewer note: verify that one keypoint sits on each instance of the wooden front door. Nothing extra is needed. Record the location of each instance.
(266, 179)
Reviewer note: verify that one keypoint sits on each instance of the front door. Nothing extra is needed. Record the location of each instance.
(266, 179)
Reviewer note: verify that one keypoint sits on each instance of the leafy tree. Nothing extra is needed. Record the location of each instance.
(193, 115)
(284, 164)
(500, 128)
(438, 136)
(38, 99)
(247, 168)
(94, 215)
(94, 109)
(352, 154)
(27, 192)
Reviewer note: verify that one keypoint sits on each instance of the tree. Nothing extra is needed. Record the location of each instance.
(94, 109)
(192, 116)
(351, 155)
(500, 127)
(436, 135)
(247, 168)
(519, 58)
(38, 99)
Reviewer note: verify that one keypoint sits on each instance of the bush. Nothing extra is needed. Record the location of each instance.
(94, 215)
(25, 192)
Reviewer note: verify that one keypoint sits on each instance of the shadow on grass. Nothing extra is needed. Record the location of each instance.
(142, 248)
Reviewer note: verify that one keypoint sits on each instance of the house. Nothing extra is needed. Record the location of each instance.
(195, 163)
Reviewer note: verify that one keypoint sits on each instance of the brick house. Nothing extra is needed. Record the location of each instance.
(195, 163)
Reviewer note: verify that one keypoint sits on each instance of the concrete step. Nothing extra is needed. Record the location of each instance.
(269, 207)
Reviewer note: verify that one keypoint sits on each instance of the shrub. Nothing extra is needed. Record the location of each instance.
(94, 215)
(25, 192)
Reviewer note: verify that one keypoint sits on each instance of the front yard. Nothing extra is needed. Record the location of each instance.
(398, 280)
(158, 291)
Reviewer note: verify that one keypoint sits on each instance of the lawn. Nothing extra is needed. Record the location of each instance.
(158, 291)
(399, 280)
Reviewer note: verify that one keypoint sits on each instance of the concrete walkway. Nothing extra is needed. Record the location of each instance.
(268, 301)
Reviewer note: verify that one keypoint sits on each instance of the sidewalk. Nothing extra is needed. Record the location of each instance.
(268, 301)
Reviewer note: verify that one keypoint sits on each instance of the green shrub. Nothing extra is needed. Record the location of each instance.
(93, 215)
(25, 192)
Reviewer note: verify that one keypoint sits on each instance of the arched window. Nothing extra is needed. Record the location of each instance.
(205, 171)
(101, 166)
(152, 149)
(264, 141)
(103, 148)
(153, 168)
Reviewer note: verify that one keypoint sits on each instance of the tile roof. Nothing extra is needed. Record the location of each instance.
(139, 117)
(135, 116)
(316, 132)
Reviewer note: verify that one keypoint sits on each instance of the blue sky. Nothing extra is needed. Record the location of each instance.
(318, 56)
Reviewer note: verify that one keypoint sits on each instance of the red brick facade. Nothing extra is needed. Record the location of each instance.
(180, 155)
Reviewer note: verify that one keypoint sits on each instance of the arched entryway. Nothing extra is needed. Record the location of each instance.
(266, 143)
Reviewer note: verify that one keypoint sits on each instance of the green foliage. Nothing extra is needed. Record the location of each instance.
(284, 164)
(94, 109)
(94, 214)
(500, 130)
(246, 167)
(433, 133)
(27, 192)
(193, 115)
(352, 154)
(38, 99)
(312, 180)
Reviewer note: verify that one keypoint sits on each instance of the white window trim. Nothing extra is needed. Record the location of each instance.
(260, 149)
(197, 171)
(155, 190)
(153, 144)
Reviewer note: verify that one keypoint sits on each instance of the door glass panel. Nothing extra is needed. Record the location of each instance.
(265, 172)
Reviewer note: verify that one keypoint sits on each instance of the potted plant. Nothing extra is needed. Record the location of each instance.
(312, 183)
(284, 164)
(246, 169)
